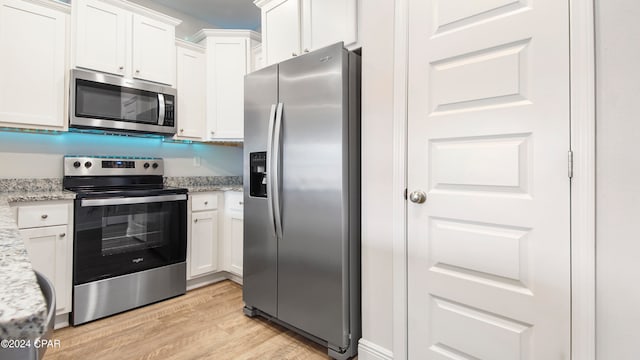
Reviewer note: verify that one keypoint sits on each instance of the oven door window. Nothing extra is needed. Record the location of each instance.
(110, 102)
(131, 228)
(115, 240)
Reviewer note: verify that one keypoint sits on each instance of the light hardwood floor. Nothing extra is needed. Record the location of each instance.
(206, 323)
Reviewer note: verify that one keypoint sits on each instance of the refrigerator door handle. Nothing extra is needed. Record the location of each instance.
(270, 180)
(275, 185)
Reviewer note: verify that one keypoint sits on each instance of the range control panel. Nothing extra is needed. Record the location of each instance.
(112, 166)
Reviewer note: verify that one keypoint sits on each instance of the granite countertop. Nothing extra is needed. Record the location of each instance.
(205, 188)
(207, 183)
(23, 310)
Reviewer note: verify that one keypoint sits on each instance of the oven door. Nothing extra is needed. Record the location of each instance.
(117, 236)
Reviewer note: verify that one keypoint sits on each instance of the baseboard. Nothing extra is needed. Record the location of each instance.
(206, 280)
(61, 321)
(370, 351)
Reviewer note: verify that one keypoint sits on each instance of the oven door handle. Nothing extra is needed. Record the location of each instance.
(132, 200)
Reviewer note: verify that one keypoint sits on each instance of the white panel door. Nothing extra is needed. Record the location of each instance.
(101, 36)
(190, 84)
(281, 30)
(234, 239)
(32, 67)
(154, 50)
(228, 63)
(204, 243)
(489, 249)
(326, 22)
(48, 251)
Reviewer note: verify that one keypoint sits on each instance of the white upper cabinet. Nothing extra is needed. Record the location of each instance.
(293, 27)
(281, 29)
(257, 61)
(228, 61)
(190, 83)
(327, 22)
(33, 65)
(101, 36)
(122, 38)
(153, 50)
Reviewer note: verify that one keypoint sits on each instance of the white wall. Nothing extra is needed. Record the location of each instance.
(377, 33)
(24, 155)
(618, 179)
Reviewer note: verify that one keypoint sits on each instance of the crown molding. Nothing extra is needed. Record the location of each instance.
(205, 33)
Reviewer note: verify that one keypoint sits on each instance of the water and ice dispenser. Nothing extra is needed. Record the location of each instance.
(258, 177)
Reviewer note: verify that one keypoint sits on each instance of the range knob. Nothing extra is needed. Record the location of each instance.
(155, 165)
(88, 164)
(76, 164)
(146, 165)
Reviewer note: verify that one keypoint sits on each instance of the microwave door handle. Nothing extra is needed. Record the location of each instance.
(132, 200)
(160, 109)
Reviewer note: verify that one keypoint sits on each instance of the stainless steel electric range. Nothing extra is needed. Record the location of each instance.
(130, 235)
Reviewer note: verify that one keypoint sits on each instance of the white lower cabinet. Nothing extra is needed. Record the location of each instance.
(202, 256)
(50, 247)
(233, 232)
(215, 234)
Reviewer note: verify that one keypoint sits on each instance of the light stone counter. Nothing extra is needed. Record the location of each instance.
(22, 306)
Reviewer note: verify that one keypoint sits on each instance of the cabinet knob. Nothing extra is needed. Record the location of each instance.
(44, 216)
(195, 220)
(294, 54)
(63, 235)
(206, 203)
(306, 50)
(241, 202)
(121, 68)
(213, 132)
(137, 71)
(181, 130)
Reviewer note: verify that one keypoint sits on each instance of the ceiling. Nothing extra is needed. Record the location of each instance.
(226, 14)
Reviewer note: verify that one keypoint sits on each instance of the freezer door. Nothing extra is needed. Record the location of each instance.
(313, 252)
(260, 245)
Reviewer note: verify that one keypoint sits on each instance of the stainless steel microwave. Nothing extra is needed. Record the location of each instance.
(112, 103)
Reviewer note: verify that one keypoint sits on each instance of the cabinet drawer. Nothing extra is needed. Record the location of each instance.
(234, 200)
(42, 215)
(201, 202)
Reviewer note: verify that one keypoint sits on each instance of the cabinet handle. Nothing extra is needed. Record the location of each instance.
(63, 235)
(294, 54)
(44, 216)
(121, 68)
(206, 203)
(137, 71)
(196, 220)
(241, 202)
(306, 50)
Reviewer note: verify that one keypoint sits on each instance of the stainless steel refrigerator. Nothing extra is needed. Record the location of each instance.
(302, 196)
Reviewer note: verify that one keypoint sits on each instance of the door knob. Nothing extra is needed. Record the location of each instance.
(418, 197)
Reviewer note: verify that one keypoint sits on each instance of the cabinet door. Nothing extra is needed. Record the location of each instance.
(228, 61)
(257, 58)
(327, 22)
(190, 83)
(234, 238)
(49, 252)
(101, 36)
(154, 50)
(281, 30)
(32, 66)
(204, 243)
